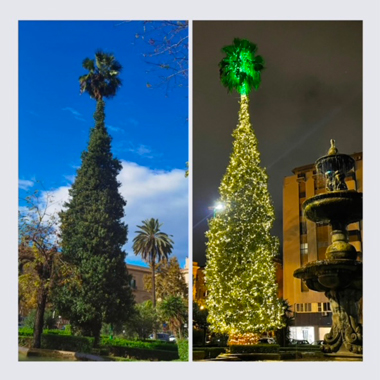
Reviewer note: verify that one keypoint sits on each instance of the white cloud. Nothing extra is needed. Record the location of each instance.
(162, 195)
(77, 115)
(114, 129)
(158, 194)
(25, 184)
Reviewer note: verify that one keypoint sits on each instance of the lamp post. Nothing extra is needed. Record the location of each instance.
(217, 208)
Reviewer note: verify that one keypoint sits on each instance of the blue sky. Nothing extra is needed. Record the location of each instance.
(149, 125)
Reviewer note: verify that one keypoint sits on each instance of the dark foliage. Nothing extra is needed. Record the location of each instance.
(92, 239)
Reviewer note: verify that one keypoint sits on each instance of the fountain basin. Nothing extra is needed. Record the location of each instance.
(332, 162)
(325, 275)
(342, 206)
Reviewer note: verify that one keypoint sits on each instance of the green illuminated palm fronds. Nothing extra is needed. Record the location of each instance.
(240, 69)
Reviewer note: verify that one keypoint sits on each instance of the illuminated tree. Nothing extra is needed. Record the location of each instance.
(240, 272)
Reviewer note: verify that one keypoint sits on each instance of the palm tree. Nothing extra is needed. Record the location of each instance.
(153, 246)
(173, 310)
(102, 80)
(240, 70)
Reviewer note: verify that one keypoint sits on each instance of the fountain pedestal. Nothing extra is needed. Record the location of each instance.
(339, 276)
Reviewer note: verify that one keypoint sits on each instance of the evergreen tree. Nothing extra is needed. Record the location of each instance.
(169, 280)
(240, 272)
(92, 231)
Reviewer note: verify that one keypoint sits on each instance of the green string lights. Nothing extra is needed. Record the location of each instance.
(241, 69)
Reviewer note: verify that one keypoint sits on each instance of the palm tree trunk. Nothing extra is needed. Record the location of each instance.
(244, 110)
(154, 292)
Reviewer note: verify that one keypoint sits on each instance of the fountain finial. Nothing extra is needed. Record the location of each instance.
(333, 149)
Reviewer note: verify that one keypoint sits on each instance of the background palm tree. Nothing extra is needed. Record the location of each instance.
(173, 310)
(102, 81)
(153, 246)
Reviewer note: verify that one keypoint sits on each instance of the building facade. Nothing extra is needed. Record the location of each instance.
(199, 285)
(305, 241)
(137, 283)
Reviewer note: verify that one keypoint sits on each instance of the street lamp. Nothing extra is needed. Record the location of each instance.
(218, 207)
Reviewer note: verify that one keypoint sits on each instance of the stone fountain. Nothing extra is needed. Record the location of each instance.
(339, 276)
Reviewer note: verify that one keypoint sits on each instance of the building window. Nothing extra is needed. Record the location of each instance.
(304, 249)
(319, 307)
(303, 307)
(326, 306)
(133, 283)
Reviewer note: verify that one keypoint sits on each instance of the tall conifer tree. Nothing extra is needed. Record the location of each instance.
(92, 231)
(240, 272)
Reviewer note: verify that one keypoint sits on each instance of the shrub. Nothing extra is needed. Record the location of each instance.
(208, 352)
(213, 352)
(25, 331)
(254, 348)
(60, 342)
(148, 345)
(199, 355)
(183, 349)
(67, 343)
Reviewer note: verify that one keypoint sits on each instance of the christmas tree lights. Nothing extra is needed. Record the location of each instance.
(240, 273)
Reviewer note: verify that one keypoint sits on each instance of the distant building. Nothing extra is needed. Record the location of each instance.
(137, 283)
(305, 241)
(199, 285)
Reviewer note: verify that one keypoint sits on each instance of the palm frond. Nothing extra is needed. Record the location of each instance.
(240, 69)
(102, 79)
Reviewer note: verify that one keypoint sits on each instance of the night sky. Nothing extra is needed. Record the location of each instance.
(311, 91)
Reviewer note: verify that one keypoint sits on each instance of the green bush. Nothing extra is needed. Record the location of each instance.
(60, 342)
(199, 355)
(208, 352)
(25, 331)
(142, 353)
(254, 348)
(183, 349)
(67, 343)
(148, 345)
(213, 352)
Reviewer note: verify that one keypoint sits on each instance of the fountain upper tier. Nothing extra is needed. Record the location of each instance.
(335, 207)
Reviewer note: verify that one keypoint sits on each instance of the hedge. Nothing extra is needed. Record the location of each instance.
(60, 342)
(199, 355)
(142, 353)
(27, 331)
(183, 349)
(207, 352)
(254, 348)
(153, 345)
(301, 347)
